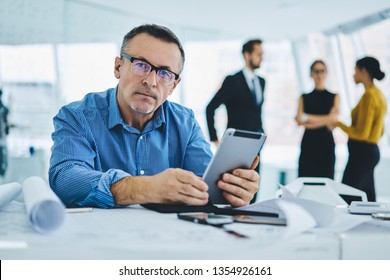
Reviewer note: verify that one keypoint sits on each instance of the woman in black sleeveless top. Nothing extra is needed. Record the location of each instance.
(317, 110)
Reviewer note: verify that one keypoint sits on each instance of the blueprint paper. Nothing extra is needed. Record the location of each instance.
(9, 192)
(44, 209)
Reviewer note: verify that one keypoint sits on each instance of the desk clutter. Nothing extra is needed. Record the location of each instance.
(310, 230)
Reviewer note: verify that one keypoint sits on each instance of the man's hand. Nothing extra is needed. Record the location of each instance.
(181, 186)
(240, 186)
(170, 186)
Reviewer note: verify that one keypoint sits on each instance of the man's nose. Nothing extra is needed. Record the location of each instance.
(151, 78)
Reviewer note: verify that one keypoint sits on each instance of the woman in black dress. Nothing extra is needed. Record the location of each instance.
(317, 110)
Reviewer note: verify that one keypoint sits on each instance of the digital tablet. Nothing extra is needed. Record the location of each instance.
(237, 149)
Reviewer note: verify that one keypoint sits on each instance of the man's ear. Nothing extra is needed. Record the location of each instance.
(174, 85)
(246, 56)
(117, 66)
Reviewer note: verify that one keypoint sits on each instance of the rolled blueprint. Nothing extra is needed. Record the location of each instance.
(44, 209)
(9, 192)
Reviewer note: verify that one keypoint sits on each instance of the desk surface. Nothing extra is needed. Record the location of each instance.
(137, 233)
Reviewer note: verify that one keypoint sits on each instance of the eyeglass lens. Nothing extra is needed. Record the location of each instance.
(318, 71)
(143, 69)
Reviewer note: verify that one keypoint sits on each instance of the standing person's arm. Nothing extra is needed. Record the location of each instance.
(301, 117)
(219, 98)
(311, 121)
(365, 116)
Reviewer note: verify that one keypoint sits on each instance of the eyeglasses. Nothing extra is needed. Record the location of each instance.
(318, 71)
(142, 68)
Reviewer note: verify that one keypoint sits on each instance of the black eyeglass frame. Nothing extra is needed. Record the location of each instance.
(318, 71)
(132, 58)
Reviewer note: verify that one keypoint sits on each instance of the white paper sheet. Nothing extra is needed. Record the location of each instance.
(301, 214)
(9, 192)
(298, 219)
(5, 244)
(44, 209)
(286, 193)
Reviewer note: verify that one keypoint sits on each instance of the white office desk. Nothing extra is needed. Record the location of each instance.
(361, 243)
(137, 233)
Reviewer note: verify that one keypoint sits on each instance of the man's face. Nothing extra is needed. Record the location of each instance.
(255, 58)
(141, 96)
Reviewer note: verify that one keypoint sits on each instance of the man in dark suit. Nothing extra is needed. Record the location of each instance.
(242, 94)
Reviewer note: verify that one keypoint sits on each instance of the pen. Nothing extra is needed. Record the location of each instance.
(229, 231)
(79, 210)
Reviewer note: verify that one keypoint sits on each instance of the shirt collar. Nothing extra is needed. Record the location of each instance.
(115, 118)
(157, 120)
(249, 75)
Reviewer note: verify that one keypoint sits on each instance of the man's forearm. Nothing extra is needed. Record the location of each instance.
(133, 190)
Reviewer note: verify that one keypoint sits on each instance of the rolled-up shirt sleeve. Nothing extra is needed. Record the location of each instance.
(73, 174)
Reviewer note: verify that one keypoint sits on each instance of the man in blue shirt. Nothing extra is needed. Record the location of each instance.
(129, 145)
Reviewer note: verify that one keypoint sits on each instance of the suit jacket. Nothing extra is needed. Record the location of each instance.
(243, 112)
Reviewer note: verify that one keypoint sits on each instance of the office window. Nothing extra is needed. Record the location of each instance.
(85, 68)
(29, 83)
(38, 79)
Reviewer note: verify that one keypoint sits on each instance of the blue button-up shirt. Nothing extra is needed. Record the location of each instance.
(94, 148)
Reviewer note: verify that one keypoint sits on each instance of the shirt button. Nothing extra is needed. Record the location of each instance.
(142, 172)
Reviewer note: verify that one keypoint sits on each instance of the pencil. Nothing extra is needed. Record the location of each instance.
(79, 210)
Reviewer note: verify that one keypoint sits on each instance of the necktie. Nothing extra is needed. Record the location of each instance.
(254, 91)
